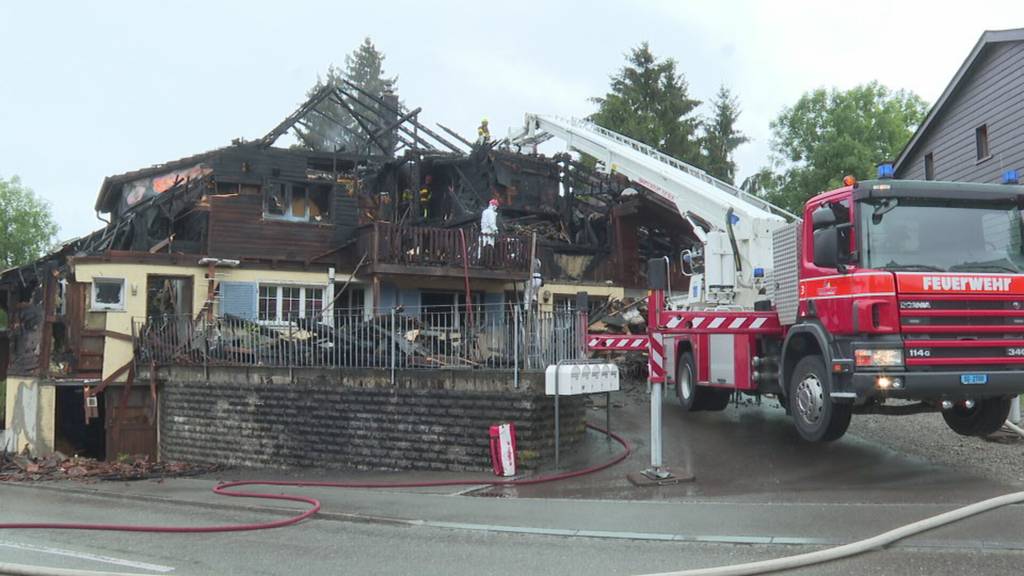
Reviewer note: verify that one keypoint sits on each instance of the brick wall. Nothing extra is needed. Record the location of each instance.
(428, 420)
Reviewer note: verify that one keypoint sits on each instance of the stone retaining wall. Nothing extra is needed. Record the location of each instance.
(434, 420)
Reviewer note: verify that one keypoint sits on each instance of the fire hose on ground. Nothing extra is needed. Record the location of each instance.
(751, 568)
(225, 489)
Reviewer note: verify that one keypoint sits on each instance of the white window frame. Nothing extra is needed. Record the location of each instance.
(96, 306)
(279, 300)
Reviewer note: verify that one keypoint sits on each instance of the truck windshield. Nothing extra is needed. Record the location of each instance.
(928, 235)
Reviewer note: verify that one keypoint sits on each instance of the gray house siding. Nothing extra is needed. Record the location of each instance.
(993, 95)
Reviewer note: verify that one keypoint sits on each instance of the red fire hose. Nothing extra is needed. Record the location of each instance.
(224, 490)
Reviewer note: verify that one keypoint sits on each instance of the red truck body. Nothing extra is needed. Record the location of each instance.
(874, 312)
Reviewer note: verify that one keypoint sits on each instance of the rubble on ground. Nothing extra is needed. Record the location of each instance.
(57, 466)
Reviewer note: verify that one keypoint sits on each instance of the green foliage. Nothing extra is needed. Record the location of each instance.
(721, 138)
(649, 102)
(28, 227)
(364, 67)
(828, 134)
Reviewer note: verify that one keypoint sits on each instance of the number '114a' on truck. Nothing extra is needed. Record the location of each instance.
(881, 289)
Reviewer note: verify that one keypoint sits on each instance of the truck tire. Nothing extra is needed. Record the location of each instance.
(686, 384)
(817, 418)
(987, 416)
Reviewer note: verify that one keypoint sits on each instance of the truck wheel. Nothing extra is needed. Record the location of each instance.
(817, 418)
(686, 384)
(984, 418)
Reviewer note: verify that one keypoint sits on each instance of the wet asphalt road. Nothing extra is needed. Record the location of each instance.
(754, 480)
(752, 453)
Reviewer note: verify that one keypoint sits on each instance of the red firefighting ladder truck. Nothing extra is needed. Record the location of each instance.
(729, 272)
(887, 288)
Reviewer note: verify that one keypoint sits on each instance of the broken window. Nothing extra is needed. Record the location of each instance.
(320, 204)
(296, 202)
(276, 199)
(108, 294)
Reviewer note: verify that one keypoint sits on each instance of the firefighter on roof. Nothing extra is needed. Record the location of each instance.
(483, 133)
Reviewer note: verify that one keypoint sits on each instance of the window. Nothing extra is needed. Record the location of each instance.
(108, 294)
(268, 302)
(448, 308)
(285, 201)
(313, 304)
(289, 303)
(348, 305)
(929, 166)
(981, 142)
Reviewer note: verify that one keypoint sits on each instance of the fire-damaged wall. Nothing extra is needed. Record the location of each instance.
(429, 420)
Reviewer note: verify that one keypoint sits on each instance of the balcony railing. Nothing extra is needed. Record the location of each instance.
(443, 247)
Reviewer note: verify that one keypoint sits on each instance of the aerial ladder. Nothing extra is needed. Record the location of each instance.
(731, 267)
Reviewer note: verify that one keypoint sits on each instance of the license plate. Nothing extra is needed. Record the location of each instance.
(974, 378)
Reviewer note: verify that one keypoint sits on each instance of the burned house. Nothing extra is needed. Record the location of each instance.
(310, 258)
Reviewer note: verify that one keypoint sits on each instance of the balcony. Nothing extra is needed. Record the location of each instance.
(418, 250)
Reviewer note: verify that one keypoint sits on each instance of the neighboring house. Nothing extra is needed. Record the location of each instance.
(975, 130)
(289, 241)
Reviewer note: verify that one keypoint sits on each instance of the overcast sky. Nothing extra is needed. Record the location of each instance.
(90, 89)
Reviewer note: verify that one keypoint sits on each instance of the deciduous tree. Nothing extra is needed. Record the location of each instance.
(27, 225)
(827, 134)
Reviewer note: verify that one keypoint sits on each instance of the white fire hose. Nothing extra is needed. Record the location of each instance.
(854, 548)
(861, 546)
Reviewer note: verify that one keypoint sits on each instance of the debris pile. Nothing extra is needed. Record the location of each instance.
(57, 466)
(455, 337)
(625, 316)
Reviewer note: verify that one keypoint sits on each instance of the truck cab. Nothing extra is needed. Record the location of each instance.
(910, 290)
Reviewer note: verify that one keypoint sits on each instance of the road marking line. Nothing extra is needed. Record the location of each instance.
(86, 556)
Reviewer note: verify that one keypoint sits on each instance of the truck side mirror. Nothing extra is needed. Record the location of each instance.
(826, 247)
(822, 217)
(657, 274)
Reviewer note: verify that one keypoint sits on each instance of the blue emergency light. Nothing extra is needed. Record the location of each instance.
(885, 170)
(1011, 177)
(758, 272)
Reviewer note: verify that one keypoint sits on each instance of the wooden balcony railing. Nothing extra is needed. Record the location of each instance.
(443, 247)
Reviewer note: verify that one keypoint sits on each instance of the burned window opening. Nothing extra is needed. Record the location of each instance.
(107, 294)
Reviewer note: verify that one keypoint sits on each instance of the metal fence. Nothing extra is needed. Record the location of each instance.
(436, 337)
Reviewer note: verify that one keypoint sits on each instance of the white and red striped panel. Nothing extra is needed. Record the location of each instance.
(656, 359)
(722, 322)
(617, 342)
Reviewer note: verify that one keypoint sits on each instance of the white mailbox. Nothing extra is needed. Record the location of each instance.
(576, 379)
